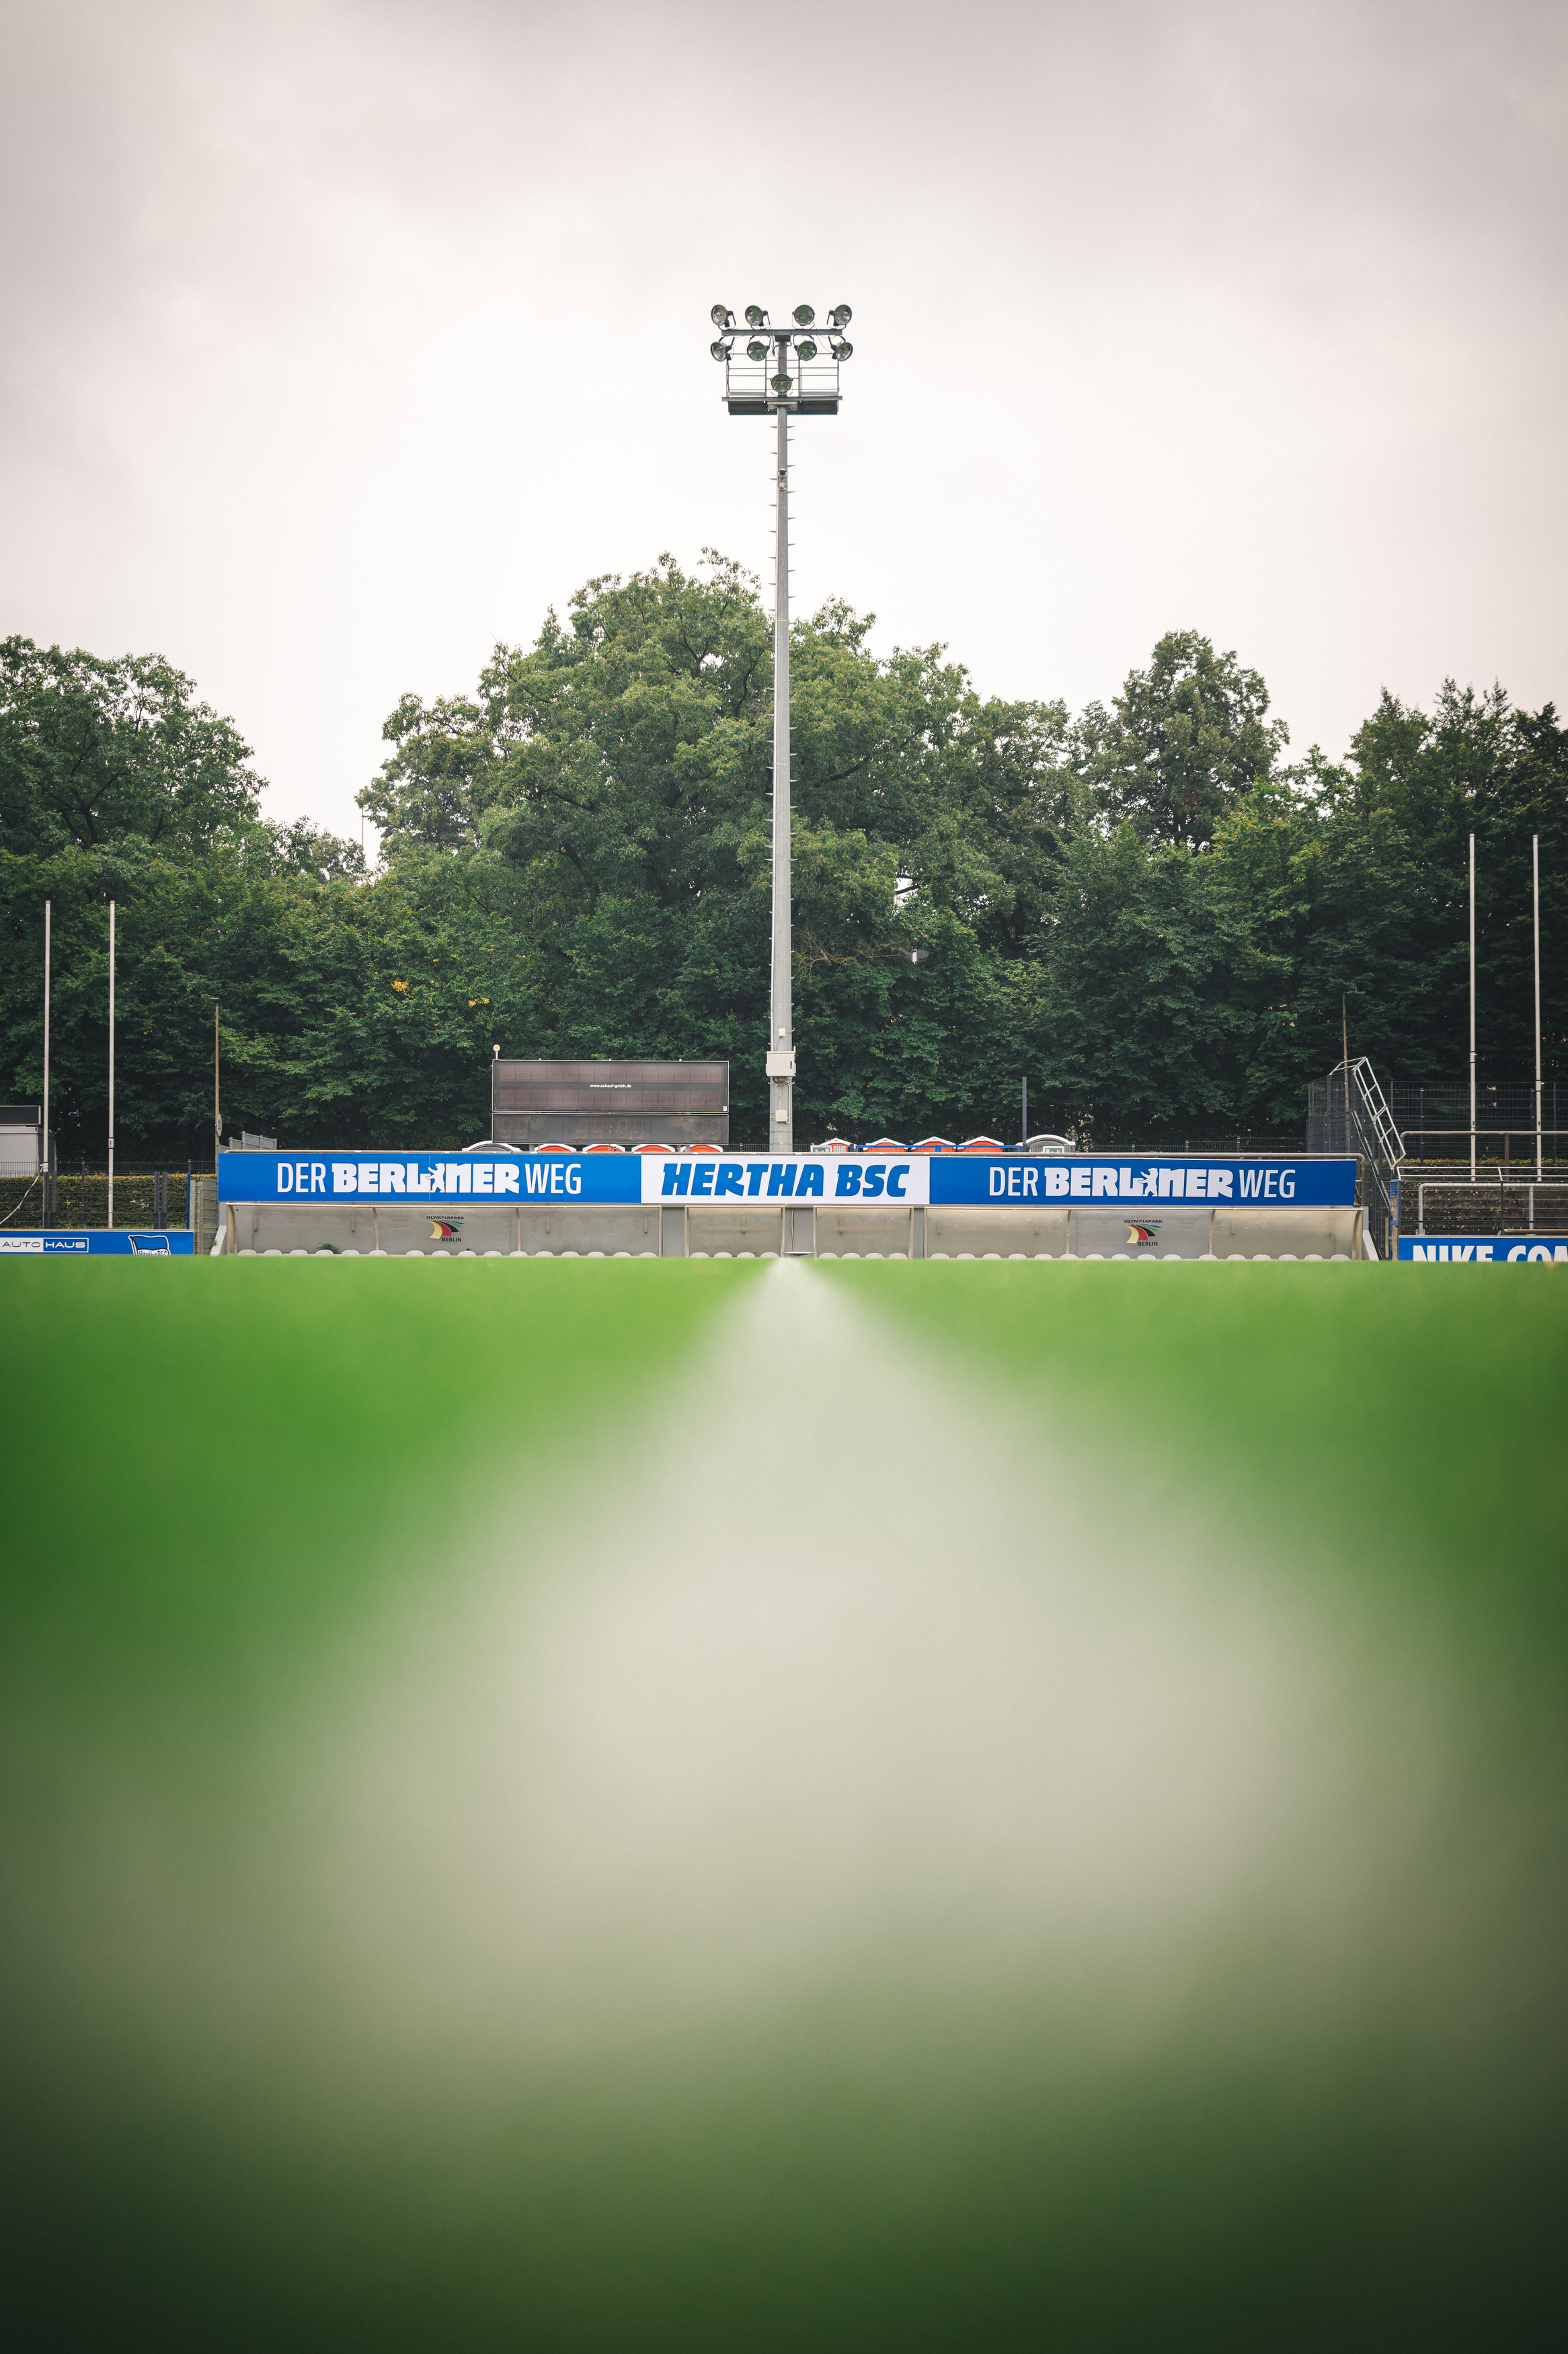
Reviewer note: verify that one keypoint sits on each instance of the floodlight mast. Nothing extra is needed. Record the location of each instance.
(783, 381)
(780, 1064)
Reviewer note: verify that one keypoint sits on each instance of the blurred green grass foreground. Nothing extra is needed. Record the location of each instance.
(679, 1805)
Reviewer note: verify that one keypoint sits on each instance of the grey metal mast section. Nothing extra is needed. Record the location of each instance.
(781, 993)
(784, 373)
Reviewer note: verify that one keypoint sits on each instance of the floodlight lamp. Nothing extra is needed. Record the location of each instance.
(780, 385)
(756, 351)
(719, 315)
(841, 314)
(919, 956)
(803, 314)
(719, 350)
(806, 349)
(844, 351)
(755, 315)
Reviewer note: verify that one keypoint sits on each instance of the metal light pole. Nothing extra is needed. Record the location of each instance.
(46, 1135)
(784, 373)
(1536, 886)
(1473, 1008)
(108, 1218)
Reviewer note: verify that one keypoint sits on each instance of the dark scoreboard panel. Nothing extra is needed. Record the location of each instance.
(608, 1103)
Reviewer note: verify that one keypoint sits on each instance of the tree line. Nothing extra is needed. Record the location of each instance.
(1149, 910)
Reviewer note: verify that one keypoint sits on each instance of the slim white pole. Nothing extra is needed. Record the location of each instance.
(780, 1065)
(1536, 879)
(1473, 1008)
(46, 1135)
(108, 1221)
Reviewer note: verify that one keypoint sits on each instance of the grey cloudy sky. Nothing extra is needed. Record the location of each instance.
(343, 338)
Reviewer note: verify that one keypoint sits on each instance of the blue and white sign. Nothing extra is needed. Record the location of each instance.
(1231, 1184)
(427, 1177)
(97, 1242)
(1029, 1180)
(869, 1179)
(1484, 1250)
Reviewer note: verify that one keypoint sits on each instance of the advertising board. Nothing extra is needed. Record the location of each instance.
(311, 1179)
(1027, 1181)
(1484, 1250)
(1124, 1177)
(588, 1102)
(95, 1241)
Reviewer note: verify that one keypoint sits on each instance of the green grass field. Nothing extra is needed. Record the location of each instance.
(716, 1806)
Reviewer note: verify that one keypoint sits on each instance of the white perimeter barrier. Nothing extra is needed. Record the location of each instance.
(654, 1231)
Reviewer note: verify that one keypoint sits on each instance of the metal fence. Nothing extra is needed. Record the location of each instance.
(1450, 1204)
(1433, 1122)
(157, 1197)
(1349, 1112)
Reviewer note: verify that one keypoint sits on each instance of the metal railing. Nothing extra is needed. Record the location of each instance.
(74, 1196)
(1423, 1133)
(1417, 1139)
(813, 388)
(1509, 1110)
(1479, 1190)
(1349, 1113)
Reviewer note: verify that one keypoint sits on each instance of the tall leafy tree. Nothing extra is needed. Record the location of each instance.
(1181, 743)
(1159, 998)
(92, 751)
(621, 768)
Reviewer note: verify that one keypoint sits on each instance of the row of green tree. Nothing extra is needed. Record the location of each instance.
(1146, 910)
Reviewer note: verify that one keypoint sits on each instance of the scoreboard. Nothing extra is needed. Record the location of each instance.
(608, 1103)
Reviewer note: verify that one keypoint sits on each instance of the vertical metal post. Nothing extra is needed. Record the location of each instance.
(1473, 1008)
(780, 1064)
(217, 1109)
(46, 1135)
(1024, 1137)
(109, 1220)
(1538, 1084)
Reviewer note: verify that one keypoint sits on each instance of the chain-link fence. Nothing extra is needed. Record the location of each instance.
(1433, 1124)
(158, 1198)
(1349, 1113)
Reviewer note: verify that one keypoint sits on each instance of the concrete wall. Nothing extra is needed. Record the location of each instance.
(1038, 1234)
(754, 1228)
(833, 1232)
(840, 1232)
(396, 1230)
(1297, 1234)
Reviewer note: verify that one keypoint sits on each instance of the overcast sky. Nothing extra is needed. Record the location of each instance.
(343, 338)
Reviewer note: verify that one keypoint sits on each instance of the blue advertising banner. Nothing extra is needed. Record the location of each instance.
(942, 1178)
(863, 1177)
(406, 1177)
(1295, 1185)
(96, 1242)
(1484, 1250)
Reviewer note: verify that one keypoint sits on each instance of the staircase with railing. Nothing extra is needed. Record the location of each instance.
(1352, 1115)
